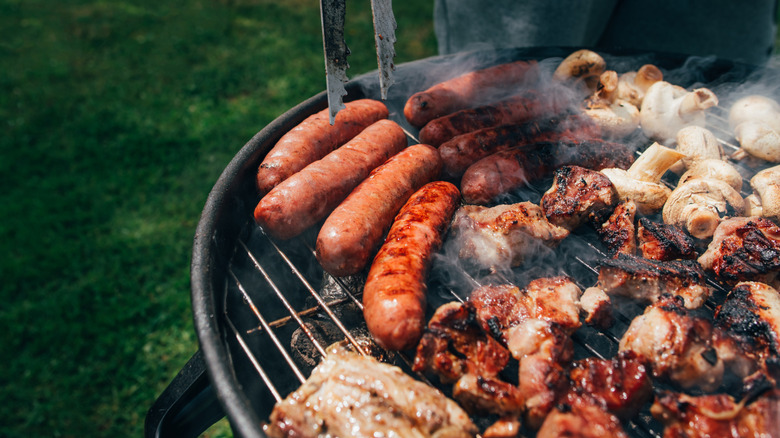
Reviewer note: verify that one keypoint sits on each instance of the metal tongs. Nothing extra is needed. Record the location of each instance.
(336, 50)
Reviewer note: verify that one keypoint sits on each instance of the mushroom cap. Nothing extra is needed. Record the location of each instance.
(649, 197)
(755, 108)
(585, 65)
(713, 168)
(660, 113)
(617, 120)
(759, 139)
(697, 143)
(766, 185)
(699, 204)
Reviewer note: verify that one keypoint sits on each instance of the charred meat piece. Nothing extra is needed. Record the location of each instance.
(747, 330)
(596, 306)
(580, 418)
(504, 235)
(490, 395)
(618, 232)
(352, 395)
(664, 242)
(675, 345)
(717, 415)
(744, 249)
(646, 280)
(578, 194)
(454, 344)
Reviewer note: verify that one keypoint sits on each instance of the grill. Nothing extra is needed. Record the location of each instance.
(265, 311)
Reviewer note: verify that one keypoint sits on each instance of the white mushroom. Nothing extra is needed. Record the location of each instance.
(698, 205)
(713, 168)
(766, 185)
(633, 85)
(616, 117)
(758, 139)
(753, 206)
(641, 182)
(584, 65)
(697, 143)
(668, 108)
(754, 108)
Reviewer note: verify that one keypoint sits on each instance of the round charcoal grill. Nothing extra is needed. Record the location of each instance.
(264, 310)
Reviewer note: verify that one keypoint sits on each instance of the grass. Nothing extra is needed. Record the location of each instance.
(118, 117)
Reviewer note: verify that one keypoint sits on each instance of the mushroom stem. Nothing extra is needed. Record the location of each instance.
(647, 75)
(697, 100)
(653, 163)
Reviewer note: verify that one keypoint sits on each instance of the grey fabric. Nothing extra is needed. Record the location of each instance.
(739, 30)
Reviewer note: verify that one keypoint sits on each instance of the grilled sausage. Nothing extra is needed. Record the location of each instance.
(525, 107)
(314, 138)
(355, 229)
(464, 150)
(310, 195)
(394, 296)
(468, 90)
(512, 168)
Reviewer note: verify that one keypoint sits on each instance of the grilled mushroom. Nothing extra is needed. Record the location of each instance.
(584, 65)
(754, 108)
(756, 123)
(698, 205)
(766, 185)
(633, 85)
(697, 143)
(616, 117)
(668, 108)
(713, 168)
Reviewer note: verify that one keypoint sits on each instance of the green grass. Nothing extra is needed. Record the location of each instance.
(118, 117)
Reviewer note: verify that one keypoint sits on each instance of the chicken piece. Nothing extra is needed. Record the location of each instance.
(554, 299)
(544, 351)
(580, 418)
(505, 427)
(744, 249)
(664, 242)
(713, 168)
(455, 344)
(616, 117)
(478, 394)
(698, 206)
(668, 108)
(596, 305)
(504, 235)
(647, 280)
(618, 233)
(717, 415)
(633, 85)
(578, 194)
(641, 182)
(348, 395)
(747, 330)
(766, 185)
(675, 345)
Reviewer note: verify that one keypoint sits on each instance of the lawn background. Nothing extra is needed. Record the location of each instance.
(118, 117)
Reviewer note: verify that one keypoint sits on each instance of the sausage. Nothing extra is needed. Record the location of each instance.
(468, 90)
(355, 229)
(394, 296)
(527, 106)
(310, 195)
(513, 168)
(314, 138)
(464, 150)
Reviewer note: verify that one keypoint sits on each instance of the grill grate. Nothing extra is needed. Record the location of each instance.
(283, 311)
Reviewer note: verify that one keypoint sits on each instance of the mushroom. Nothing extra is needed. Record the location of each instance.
(754, 108)
(758, 139)
(698, 205)
(766, 185)
(753, 206)
(633, 85)
(641, 182)
(713, 168)
(584, 65)
(697, 143)
(667, 108)
(617, 118)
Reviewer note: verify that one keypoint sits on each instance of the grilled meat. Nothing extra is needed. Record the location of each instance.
(744, 249)
(596, 305)
(675, 344)
(717, 415)
(580, 418)
(578, 194)
(664, 242)
(488, 395)
(618, 232)
(503, 235)
(747, 331)
(349, 395)
(646, 280)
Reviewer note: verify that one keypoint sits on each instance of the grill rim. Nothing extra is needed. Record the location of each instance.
(224, 215)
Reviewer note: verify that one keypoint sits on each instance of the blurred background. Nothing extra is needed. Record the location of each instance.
(118, 117)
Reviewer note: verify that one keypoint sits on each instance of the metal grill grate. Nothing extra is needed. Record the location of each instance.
(283, 311)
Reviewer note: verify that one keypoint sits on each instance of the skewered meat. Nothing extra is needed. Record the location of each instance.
(618, 232)
(744, 249)
(747, 330)
(488, 395)
(717, 415)
(664, 242)
(349, 395)
(647, 280)
(516, 167)
(578, 418)
(578, 194)
(698, 206)
(675, 345)
(503, 235)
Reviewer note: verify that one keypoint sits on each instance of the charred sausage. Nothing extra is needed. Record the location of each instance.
(468, 90)
(310, 195)
(355, 229)
(512, 168)
(522, 108)
(464, 150)
(314, 138)
(394, 296)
